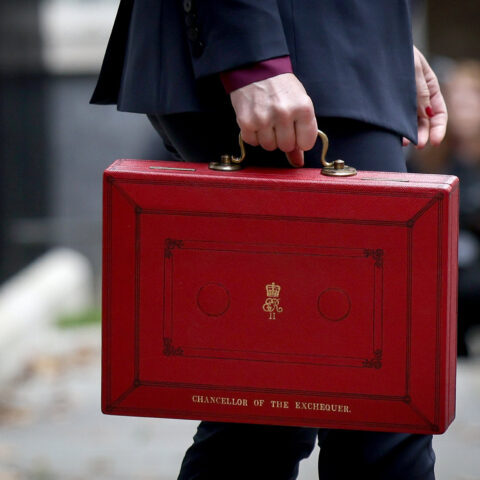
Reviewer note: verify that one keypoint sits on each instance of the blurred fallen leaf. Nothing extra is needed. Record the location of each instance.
(12, 415)
(6, 475)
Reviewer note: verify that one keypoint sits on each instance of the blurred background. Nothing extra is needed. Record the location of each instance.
(54, 147)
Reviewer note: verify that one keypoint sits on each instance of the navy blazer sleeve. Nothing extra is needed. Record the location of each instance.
(237, 32)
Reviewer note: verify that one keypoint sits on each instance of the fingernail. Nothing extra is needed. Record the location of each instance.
(429, 112)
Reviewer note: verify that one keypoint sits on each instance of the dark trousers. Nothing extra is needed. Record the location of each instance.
(226, 451)
(258, 452)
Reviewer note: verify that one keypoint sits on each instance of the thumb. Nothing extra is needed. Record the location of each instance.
(295, 158)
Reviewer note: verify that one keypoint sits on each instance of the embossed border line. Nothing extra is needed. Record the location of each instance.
(171, 347)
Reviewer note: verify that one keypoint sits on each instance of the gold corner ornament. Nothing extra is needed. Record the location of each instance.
(272, 302)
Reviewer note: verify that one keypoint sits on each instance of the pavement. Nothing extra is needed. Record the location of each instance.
(51, 426)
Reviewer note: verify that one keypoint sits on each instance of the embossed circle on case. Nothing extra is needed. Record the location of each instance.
(334, 304)
(213, 299)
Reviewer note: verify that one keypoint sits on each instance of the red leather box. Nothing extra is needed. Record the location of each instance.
(280, 296)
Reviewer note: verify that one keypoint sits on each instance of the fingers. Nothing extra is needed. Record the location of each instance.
(439, 117)
(249, 137)
(423, 92)
(267, 139)
(438, 127)
(423, 100)
(423, 132)
(306, 129)
(286, 136)
(431, 109)
(295, 158)
(276, 113)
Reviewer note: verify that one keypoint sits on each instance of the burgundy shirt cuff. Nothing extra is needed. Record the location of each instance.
(255, 72)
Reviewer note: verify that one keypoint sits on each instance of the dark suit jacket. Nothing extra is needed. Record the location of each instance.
(354, 57)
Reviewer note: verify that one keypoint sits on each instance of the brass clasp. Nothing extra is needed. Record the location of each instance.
(229, 163)
(337, 168)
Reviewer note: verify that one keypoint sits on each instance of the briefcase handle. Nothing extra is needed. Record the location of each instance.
(337, 168)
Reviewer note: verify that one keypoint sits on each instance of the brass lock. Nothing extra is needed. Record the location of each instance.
(229, 163)
(337, 168)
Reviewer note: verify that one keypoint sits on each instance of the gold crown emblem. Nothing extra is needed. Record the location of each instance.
(273, 290)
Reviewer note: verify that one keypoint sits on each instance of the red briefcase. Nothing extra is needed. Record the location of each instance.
(280, 296)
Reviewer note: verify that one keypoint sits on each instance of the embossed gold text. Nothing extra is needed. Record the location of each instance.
(324, 407)
(235, 402)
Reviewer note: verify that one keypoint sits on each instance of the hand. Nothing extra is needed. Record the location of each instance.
(277, 113)
(431, 109)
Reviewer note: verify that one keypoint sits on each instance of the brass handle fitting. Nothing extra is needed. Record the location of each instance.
(230, 163)
(337, 168)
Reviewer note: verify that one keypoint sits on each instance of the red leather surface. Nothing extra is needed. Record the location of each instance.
(280, 296)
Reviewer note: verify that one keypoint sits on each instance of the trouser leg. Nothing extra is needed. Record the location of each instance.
(356, 454)
(345, 455)
(230, 451)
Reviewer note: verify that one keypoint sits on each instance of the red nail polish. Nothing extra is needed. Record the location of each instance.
(429, 112)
